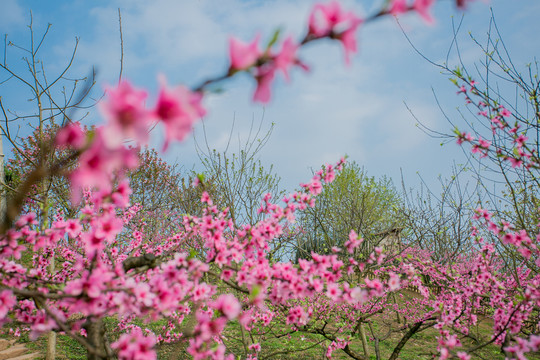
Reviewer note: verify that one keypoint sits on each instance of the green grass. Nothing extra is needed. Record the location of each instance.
(66, 347)
(296, 346)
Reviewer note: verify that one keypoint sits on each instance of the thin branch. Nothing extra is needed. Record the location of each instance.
(121, 46)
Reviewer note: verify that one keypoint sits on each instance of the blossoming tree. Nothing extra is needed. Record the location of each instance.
(98, 274)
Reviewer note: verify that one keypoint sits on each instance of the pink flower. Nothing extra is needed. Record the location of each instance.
(520, 140)
(108, 227)
(73, 228)
(484, 144)
(461, 4)
(375, 286)
(493, 228)
(256, 347)
(534, 342)
(71, 135)
(482, 213)
(91, 284)
(205, 198)
(143, 293)
(422, 7)
(287, 57)
(121, 196)
(92, 242)
(298, 316)
(515, 162)
(97, 164)
(242, 55)
(526, 253)
(353, 242)
(135, 346)
(40, 324)
(228, 305)
(94, 166)
(126, 114)
(314, 186)
(206, 327)
(393, 282)
(178, 109)
(325, 18)
(445, 354)
(398, 7)
(7, 301)
(464, 137)
(333, 291)
(348, 40)
(330, 20)
(27, 219)
(330, 175)
(264, 76)
(359, 295)
(504, 112)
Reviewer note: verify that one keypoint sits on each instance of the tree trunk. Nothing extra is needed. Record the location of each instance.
(51, 346)
(398, 316)
(3, 179)
(51, 337)
(364, 340)
(404, 340)
(95, 332)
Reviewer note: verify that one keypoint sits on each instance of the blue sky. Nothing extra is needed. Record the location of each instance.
(332, 111)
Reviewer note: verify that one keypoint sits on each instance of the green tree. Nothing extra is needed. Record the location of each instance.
(353, 201)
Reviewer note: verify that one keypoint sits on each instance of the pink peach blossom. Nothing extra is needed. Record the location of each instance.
(126, 114)
(242, 55)
(178, 109)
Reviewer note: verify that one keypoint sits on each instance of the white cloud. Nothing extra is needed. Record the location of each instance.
(319, 116)
(11, 17)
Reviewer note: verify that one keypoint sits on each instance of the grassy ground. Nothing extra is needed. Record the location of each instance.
(297, 346)
(420, 346)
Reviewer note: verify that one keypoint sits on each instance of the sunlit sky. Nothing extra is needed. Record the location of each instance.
(319, 116)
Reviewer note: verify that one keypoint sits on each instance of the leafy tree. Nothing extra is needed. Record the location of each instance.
(353, 201)
(101, 277)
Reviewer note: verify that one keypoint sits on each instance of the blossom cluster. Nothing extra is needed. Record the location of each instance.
(519, 154)
(99, 274)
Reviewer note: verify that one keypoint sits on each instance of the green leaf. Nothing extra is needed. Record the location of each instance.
(218, 90)
(274, 38)
(90, 134)
(200, 177)
(255, 291)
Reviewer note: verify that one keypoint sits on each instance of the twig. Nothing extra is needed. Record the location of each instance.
(121, 46)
